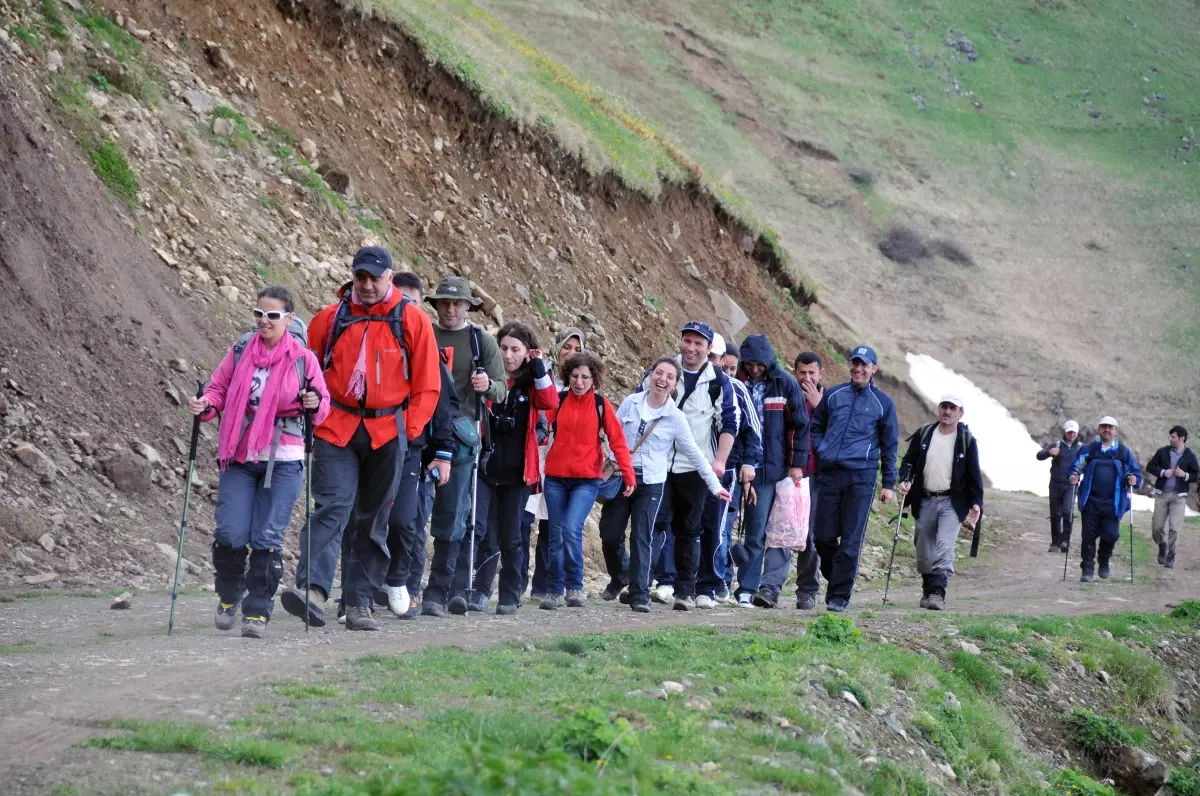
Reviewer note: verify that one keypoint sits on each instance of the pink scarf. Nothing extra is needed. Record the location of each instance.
(358, 379)
(281, 381)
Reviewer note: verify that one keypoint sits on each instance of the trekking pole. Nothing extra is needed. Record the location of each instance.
(1131, 535)
(187, 499)
(308, 451)
(474, 499)
(1067, 552)
(895, 539)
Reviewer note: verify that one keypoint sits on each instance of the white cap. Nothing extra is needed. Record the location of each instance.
(1108, 420)
(718, 346)
(1071, 425)
(951, 398)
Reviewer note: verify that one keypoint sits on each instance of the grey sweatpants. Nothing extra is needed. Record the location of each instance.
(937, 533)
(1169, 511)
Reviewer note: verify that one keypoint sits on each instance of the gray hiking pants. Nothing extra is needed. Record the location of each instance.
(937, 533)
(1169, 511)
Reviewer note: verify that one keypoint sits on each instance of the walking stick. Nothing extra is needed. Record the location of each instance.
(1067, 552)
(308, 452)
(895, 539)
(479, 418)
(187, 499)
(1131, 535)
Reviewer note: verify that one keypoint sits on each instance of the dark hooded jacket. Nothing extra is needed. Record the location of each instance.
(785, 422)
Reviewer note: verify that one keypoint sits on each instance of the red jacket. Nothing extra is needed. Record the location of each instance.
(576, 451)
(543, 397)
(386, 385)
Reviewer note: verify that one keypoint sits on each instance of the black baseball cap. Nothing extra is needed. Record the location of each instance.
(372, 259)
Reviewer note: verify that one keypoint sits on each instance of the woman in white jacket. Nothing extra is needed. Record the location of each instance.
(655, 430)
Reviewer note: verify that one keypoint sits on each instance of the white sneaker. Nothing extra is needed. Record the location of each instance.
(704, 601)
(398, 599)
(664, 595)
(745, 601)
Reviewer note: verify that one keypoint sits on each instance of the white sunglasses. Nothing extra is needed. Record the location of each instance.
(274, 316)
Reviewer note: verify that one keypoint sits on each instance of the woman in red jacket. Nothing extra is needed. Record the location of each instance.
(513, 468)
(583, 422)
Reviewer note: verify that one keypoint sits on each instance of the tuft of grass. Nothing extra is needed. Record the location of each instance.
(543, 305)
(834, 629)
(1100, 735)
(1184, 781)
(164, 737)
(111, 167)
(1032, 672)
(113, 39)
(1070, 782)
(54, 20)
(835, 687)
(593, 736)
(305, 690)
(268, 201)
(241, 137)
(29, 36)
(24, 645)
(981, 674)
(1188, 610)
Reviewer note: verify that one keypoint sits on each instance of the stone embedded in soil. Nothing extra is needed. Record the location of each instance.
(671, 687)
(200, 102)
(29, 455)
(969, 648)
(40, 579)
(849, 697)
(1138, 772)
(46, 542)
(223, 127)
(122, 602)
(129, 472)
(650, 693)
(697, 703)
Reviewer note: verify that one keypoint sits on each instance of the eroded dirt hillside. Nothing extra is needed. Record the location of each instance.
(265, 142)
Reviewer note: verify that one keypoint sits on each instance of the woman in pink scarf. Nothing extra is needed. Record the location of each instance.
(258, 393)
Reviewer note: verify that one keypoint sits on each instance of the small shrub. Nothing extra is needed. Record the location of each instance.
(112, 168)
(591, 735)
(250, 752)
(242, 136)
(100, 81)
(1070, 782)
(543, 305)
(1184, 781)
(31, 38)
(1099, 735)
(951, 251)
(983, 675)
(835, 688)
(903, 245)
(1188, 609)
(1032, 672)
(833, 629)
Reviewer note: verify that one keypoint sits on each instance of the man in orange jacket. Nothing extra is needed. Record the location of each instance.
(381, 367)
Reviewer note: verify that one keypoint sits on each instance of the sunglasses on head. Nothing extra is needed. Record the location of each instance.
(271, 315)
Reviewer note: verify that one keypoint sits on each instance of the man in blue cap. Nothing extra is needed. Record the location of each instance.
(854, 433)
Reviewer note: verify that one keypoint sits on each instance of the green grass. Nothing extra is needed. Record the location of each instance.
(1184, 781)
(54, 20)
(24, 645)
(559, 718)
(1102, 736)
(241, 137)
(111, 167)
(1070, 782)
(111, 38)
(984, 676)
(31, 38)
(543, 305)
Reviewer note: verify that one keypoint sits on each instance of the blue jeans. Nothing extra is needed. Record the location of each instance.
(750, 576)
(568, 501)
(250, 522)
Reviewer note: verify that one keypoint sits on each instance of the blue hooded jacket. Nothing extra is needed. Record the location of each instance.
(785, 421)
(855, 428)
(1125, 464)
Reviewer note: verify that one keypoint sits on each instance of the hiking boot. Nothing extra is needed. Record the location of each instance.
(663, 594)
(1087, 577)
(254, 627)
(765, 599)
(506, 610)
(641, 608)
(1064, 547)
(1055, 548)
(479, 604)
(397, 599)
(745, 601)
(292, 601)
(430, 608)
(806, 602)
(611, 591)
(359, 618)
(1170, 560)
(457, 605)
(538, 596)
(684, 603)
(226, 616)
(706, 602)
(576, 598)
(722, 596)
(414, 610)
(623, 597)
(1104, 572)
(837, 604)
(924, 601)
(1162, 554)
(551, 602)
(935, 602)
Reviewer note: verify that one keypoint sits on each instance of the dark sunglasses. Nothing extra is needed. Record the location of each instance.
(274, 316)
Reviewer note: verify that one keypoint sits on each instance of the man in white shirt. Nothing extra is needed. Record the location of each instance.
(940, 478)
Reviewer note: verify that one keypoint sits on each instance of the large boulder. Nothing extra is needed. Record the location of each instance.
(128, 471)
(41, 464)
(1139, 773)
(731, 318)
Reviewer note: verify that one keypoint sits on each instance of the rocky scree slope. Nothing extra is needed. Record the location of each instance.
(254, 143)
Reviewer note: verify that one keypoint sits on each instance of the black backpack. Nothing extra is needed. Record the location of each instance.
(343, 318)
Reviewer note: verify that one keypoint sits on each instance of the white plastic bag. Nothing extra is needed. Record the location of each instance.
(787, 524)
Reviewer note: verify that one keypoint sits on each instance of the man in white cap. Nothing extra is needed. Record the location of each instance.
(940, 477)
(1105, 471)
(1062, 507)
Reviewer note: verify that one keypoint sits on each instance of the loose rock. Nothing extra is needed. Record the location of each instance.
(41, 464)
(122, 602)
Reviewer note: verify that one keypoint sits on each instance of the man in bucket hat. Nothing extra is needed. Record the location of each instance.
(478, 372)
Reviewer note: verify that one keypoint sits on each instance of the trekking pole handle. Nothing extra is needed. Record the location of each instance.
(308, 420)
(196, 424)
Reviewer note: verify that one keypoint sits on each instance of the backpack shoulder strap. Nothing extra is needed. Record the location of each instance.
(687, 393)
(396, 320)
(714, 387)
(338, 324)
(239, 346)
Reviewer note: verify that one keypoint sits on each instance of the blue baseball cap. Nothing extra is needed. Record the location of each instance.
(698, 327)
(865, 353)
(372, 259)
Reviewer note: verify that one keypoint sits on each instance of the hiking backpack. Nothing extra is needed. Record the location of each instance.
(293, 426)
(343, 318)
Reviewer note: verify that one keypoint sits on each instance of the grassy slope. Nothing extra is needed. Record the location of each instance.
(561, 718)
(1025, 181)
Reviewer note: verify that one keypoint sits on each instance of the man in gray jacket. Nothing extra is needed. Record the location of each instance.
(1062, 494)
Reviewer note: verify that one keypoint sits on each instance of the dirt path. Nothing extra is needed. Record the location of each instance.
(76, 661)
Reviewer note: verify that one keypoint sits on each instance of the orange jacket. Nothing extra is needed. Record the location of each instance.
(386, 385)
(576, 451)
